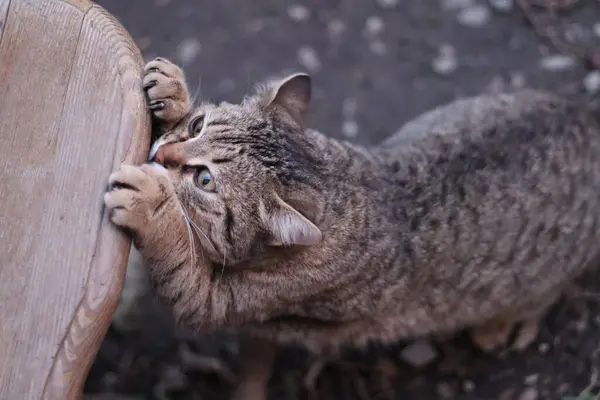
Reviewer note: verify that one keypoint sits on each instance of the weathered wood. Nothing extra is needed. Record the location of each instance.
(71, 110)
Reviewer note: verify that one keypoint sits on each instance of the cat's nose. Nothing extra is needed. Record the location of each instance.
(169, 154)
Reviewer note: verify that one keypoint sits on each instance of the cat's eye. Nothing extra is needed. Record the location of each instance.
(196, 126)
(204, 180)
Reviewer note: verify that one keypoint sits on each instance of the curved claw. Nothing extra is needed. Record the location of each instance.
(150, 84)
(157, 105)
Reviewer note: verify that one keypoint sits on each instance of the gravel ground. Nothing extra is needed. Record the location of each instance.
(375, 65)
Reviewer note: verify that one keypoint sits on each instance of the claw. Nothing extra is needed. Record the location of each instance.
(150, 84)
(120, 185)
(157, 105)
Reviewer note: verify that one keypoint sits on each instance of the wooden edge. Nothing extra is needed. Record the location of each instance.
(82, 5)
(93, 316)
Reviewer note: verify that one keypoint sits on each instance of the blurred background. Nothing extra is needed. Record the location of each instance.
(375, 64)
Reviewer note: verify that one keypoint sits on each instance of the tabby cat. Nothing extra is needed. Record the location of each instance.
(475, 215)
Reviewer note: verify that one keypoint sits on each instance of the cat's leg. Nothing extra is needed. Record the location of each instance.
(309, 382)
(256, 365)
(167, 93)
(496, 333)
(493, 334)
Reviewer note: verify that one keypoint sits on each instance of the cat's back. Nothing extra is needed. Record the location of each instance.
(528, 132)
(505, 184)
(473, 115)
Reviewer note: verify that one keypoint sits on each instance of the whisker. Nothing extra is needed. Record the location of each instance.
(198, 230)
(190, 236)
(198, 94)
(224, 260)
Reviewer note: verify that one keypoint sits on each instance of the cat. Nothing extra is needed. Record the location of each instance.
(475, 215)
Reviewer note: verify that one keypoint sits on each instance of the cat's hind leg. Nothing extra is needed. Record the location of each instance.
(497, 332)
(256, 365)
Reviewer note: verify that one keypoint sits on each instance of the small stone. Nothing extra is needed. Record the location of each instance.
(529, 394)
(188, 50)
(596, 29)
(110, 379)
(418, 353)
(349, 106)
(298, 12)
(563, 388)
(531, 379)
(453, 5)
(445, 391)
(387, 3)
(474, 16)
(557, 62)
(517, 80)
(336, 28)
(591, 82)
(468, 386)
(350, 129)
(502, 5)
(378, 47)
(307, 57)
(445, 62)
(373, 26)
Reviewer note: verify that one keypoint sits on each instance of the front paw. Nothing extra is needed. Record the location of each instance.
(137, 197)
(166, 90)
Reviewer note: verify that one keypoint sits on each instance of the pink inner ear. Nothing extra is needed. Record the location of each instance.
(291, 228)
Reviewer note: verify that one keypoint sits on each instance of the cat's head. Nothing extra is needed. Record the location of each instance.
(246, 174)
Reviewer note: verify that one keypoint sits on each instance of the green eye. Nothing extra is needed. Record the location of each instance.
(205, 180)
(196, 126)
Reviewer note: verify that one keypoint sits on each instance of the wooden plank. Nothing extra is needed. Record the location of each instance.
(102, 34)
(31, 104)
(72, 109)
(4, 5)
(82, 5)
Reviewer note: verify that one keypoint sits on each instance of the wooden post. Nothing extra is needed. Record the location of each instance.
(71, 110)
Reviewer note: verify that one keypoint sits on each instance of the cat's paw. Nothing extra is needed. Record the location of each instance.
(137, 198)
(498, 335)
(166, 90)
(493, 335)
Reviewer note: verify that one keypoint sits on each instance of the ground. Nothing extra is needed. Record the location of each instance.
(375, 65)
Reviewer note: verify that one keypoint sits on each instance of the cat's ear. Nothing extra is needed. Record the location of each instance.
(293, 95)
(286, 226)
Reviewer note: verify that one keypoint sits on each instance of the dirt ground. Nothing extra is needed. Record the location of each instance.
(375, 65)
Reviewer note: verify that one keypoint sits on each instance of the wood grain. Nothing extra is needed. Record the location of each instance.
(71, 110)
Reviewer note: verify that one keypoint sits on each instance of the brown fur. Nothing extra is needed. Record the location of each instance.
(474, 215)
